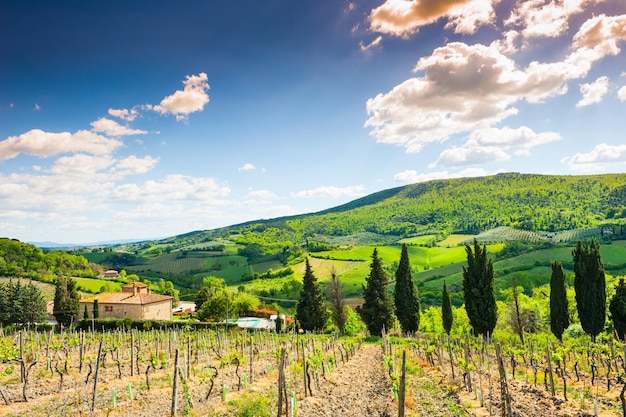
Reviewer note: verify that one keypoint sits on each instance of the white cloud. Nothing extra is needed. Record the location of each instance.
(124, 114)
(468, 87)
(247, 167)
(261, 194)
(546, 18)
(601, 157)
(112, 128)
(593, 92)
(406, 17)
(331, 192)
(37, 107)
(371, 45)
(39, 143)
(81, 164)
(133, 165)
(412, 176)
(173, 188)
(621, 94)
(192, 98)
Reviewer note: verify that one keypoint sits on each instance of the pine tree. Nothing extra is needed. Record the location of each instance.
(337, 302)
(66, 302)
(617, 307)
(480, 302)
(559, 314)
(446, 310)
(405, 295)
(590, 287)
(377, 310)
(311, 310)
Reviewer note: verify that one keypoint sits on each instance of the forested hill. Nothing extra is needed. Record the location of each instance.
(465, 205)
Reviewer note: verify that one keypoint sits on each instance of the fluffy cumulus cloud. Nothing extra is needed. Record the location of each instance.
(175, 187)
(601, 157)
(44, 144)
(331, 192)
(593, 92)
(468, 87)
(405, 17)
(124, 114)
(192, 98)
(112, 128)
(546, 18)
(621, 94)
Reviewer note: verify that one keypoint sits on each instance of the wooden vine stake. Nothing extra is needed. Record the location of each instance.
(505, 403)
(402, 387)
(175, 386)
(283, 399)
(95, 381)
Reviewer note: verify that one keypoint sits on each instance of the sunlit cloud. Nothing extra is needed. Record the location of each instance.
(601, 157)
(593, 92)
(621, 94)
(124, 114)
(192, 98)
(376, 42)
(112, 128)
(44, 144)
(406, 17)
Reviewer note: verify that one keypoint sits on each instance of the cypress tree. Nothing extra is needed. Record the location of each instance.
(338, 302)
(590, 287)
(480, 301)
(377, 310)
(311, 310)
(446, 309)
(559, 314)
(617, 307)
(86, 313)
(405, 295)
(96, 309)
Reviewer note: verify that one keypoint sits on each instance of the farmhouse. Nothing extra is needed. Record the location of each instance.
(111, 273)
(135, 301)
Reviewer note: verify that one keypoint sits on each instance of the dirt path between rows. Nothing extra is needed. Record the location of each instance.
(361, 387)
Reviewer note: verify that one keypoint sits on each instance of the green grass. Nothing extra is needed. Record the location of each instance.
(453, 240)
(93, 285)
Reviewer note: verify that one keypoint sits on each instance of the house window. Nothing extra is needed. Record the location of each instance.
(108, 308)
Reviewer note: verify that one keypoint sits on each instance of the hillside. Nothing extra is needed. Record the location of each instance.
(542, 203)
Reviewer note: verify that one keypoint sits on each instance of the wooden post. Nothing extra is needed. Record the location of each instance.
(402, 388)
(175, 385)
(95, 381)
(505, 403)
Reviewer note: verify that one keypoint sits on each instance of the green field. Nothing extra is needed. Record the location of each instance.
(94, 285)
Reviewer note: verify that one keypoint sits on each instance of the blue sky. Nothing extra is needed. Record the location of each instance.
(135, 120)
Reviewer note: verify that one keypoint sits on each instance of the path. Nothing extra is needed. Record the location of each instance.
(360, 387)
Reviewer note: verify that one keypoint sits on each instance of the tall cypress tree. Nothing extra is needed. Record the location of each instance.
(480, 301)
(377, 310)
(446, 309)
(405, 295)
(617, 307)
(590, 287)
(311, 310)
(66, 301)
(338, 302)
(559, 314)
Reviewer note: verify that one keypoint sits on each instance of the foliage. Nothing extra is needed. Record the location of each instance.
(354, 325)
(590, 286)
(96, 309)
(446, 309)
(311, 312)
(407, 304)
(617, 308)
(66, 301)
(559, 314)
(377, 309)
(337, 302)
(478, 289)
(215, 307)
(21, 304)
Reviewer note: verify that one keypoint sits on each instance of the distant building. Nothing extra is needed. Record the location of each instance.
(135, 301)
(111, 273)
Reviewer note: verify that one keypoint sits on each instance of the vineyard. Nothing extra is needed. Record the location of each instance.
(239, 373)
